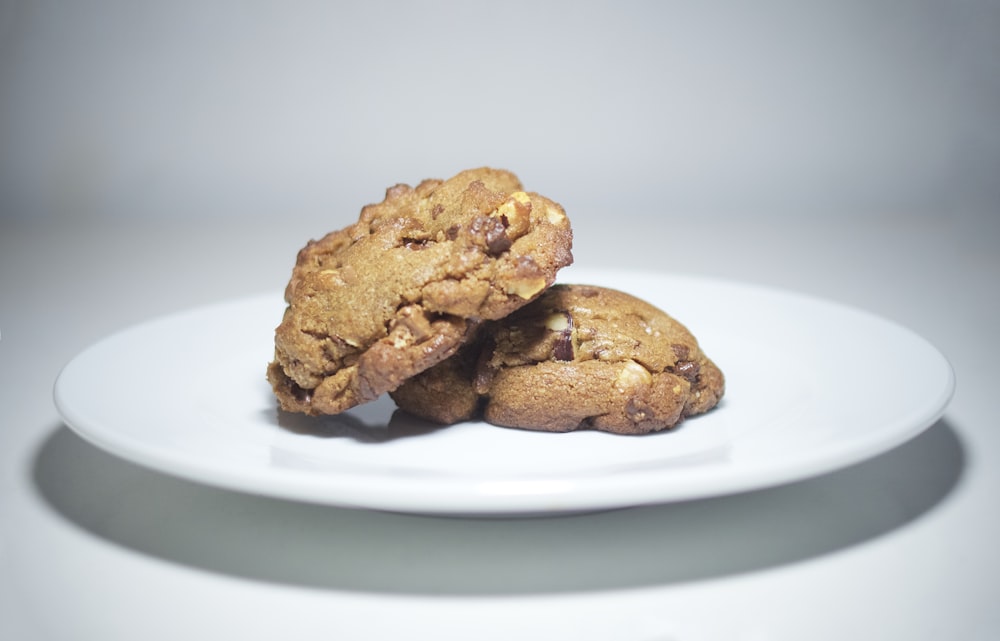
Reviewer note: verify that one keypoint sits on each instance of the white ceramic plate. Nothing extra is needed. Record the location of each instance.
(812, 386)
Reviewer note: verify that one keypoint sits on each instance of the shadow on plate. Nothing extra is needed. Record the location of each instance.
(285, 542)
(346, 425)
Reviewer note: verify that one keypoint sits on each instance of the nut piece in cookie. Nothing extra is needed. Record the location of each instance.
(402, 288)
(577, 357)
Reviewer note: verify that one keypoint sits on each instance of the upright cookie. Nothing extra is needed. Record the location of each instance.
(399, 290)
(577, 357)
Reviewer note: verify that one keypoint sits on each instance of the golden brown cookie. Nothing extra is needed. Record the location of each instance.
(399, 290)
(577, 357)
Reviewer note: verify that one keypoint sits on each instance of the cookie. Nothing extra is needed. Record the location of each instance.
(577, 357)
(401, 289)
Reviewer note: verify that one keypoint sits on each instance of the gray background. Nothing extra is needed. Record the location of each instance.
(304, 111)
(156, 157)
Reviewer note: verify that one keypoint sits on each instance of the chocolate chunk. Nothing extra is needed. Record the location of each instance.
(563, 349)
(416, 243)
(688, 370)
(497, 240)
(680, 351)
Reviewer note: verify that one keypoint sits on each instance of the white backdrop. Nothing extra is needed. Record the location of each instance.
(301, 110)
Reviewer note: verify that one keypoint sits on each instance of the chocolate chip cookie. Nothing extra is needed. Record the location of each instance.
(577, 357)
(402, 288)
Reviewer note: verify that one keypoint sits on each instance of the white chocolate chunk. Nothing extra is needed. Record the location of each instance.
(557, 322)
(632, 375)
(526, 288)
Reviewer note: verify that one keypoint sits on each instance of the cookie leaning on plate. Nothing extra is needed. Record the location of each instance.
(577, 357)
(402, 288)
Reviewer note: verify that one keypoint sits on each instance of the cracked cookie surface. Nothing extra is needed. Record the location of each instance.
(578, 357)
(402, 288)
